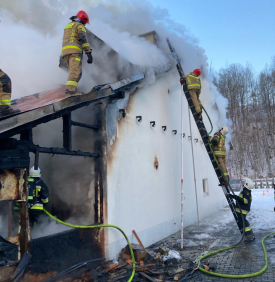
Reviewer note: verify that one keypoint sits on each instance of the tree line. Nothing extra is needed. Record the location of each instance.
(251, 108)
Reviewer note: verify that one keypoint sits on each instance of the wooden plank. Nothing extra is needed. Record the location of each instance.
(146, 277)
(9, 185)
(9, 163)
(145, 267)
(16, 153)
(110, 267)
(134, 232)
(13, 122)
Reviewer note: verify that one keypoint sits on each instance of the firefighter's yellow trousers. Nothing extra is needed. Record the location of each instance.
(74, 63)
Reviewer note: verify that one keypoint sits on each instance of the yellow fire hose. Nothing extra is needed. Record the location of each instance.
(99, 226)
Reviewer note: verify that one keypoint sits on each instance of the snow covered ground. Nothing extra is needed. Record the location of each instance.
(262, 215)
(220, 230)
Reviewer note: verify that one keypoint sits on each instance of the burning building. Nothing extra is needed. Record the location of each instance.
(111, 156)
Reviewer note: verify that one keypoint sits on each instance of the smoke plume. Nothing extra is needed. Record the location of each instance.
(31, 33)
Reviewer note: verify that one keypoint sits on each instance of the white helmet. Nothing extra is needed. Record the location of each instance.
(248, 183)
(35, 172)
(224, 130)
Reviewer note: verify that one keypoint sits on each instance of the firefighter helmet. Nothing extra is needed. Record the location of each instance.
(224, 130)
(248, 183)
(84, 18)
(35, 172)
(197, 72)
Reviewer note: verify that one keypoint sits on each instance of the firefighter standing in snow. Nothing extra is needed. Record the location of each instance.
(193, 83)
(38, 195)
(5, 95)
(219, 150)
(244, 199)
(74, 42)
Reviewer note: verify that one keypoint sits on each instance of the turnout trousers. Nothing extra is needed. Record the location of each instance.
(222, 162)
(248, 228)
(74, 64)
(37, 217)
(194, 94)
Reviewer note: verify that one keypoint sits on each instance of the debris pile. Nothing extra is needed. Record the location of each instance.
(156, 265)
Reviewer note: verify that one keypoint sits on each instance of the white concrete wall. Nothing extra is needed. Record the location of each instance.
(142, 198)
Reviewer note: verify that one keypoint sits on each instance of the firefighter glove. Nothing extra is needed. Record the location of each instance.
(90, 58)
(232, 196)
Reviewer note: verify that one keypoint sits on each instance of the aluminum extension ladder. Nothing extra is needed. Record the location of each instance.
(204, 136)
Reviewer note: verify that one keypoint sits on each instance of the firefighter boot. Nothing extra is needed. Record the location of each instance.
(249, 238)
(73, 93)
(7, 111)
(199, 116)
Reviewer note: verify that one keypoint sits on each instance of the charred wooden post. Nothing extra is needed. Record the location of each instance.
(36, 160)
(9, 218)
(24, 227)
(67, 131)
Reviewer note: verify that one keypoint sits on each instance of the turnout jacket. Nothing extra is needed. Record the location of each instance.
(38, 193)
(75, 39)
(218, 144)
(245, 200)
(5, 89)
(193, 81)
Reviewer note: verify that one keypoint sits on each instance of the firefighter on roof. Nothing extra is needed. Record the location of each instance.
(193, 83)
(244, 199)
(74, 42)
(38, 195)
(219, 150)
(5, 96)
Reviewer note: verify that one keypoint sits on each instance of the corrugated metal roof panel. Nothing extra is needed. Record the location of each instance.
(39, 100)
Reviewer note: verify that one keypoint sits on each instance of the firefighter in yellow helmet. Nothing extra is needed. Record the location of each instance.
(74, 42)
(219, 150)
(5, 96)
(194, 86)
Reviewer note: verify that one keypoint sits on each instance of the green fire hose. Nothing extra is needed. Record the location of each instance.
(99, 226)
(249, 275)
(208, 119)
(237, 275)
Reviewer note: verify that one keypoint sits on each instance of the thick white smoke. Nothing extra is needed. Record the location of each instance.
(31, 39)
(34, 30)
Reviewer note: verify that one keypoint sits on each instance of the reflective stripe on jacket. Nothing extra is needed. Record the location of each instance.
(244, 199)
(219, 149)
(193, 81)
(75, 39)
(38, 193)
(5, 89)
(37, 207)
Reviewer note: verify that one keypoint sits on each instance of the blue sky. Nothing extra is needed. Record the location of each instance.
(230, 31)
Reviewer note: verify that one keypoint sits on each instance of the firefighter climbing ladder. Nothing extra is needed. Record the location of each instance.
(204, 135)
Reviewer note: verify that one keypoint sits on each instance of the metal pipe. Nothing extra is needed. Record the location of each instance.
(36, 160)
(194, 170)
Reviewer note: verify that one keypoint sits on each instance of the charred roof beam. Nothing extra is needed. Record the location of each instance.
(28, 136)
(67, 131)
(80, 124)
(61, 151)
